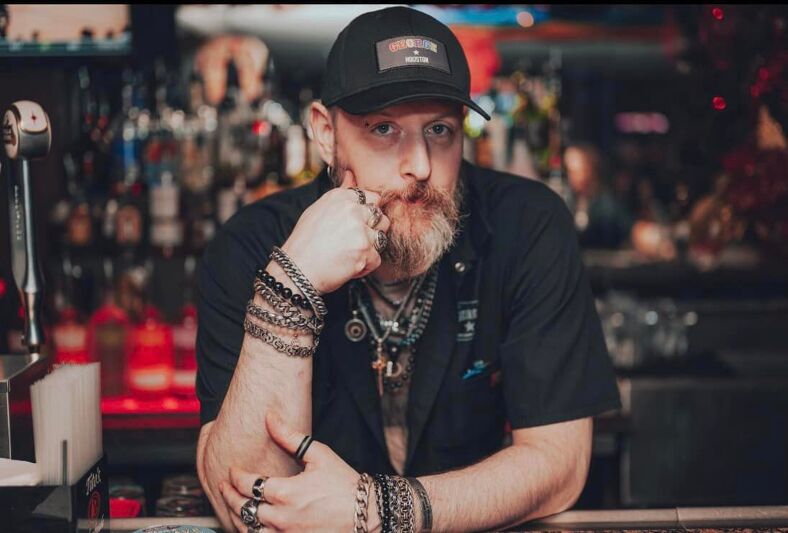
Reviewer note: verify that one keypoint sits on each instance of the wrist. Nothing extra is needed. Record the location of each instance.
(304, 266)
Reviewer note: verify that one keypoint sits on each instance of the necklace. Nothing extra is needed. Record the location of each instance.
(376, 286)
(382, 362)
(387, 347)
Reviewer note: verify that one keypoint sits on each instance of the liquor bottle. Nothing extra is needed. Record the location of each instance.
(151, 351)
(185, 337)
(109, 332)
(69, 334)
(296, 156)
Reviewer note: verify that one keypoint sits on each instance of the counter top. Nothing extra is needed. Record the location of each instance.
(681, 518)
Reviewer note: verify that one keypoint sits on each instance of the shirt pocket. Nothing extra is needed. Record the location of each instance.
(474, 413)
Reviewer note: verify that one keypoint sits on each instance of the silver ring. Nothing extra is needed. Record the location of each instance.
(381, 241)
(375, 214)
(258, 489)
(249, 513)
(362, 198)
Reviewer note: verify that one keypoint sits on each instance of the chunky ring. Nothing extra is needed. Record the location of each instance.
(258, 489)
(375, 214)
(362, 198)
(381, 241)
(255, 529)
(249, 513)
(303, 447)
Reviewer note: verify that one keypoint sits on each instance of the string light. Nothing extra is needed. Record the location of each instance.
(719, 103)
(717, 13)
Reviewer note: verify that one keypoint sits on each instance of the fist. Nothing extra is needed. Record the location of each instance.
(334, 240)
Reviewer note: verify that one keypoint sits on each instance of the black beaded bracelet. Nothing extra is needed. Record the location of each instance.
(285, 292)
(384, 503)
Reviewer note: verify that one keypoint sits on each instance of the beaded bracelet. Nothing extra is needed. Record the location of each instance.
(384, 500)
(285, 292)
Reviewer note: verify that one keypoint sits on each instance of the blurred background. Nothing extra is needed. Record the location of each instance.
(661, 126)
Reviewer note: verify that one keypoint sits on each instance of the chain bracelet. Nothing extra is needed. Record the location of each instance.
(394, 504)
(301, 323)
(287, 309)
(291, 349)
(301, 281)
(362, 503)
(407, 521)
(424, 503)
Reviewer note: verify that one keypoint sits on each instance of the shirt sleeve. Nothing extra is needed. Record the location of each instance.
(225, 284)
(555, 363)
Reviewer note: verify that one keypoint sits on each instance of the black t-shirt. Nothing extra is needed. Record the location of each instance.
(513, 335)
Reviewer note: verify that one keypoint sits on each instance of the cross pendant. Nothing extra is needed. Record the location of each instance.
(379, 365)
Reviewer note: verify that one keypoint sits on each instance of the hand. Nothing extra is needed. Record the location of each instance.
(322, 497)
(332, 242)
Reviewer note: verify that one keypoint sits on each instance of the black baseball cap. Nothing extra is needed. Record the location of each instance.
(396, 55)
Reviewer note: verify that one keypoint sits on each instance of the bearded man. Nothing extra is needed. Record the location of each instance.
(457, 305)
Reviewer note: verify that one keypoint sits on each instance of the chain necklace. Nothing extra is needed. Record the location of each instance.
(396, 376)
(382, 362)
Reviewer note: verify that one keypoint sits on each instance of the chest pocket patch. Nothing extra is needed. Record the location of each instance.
(467, 313)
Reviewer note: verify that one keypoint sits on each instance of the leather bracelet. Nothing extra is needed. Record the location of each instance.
(291, 349)
(424, 503)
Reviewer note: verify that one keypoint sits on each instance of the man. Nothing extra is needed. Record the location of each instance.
(510, 335)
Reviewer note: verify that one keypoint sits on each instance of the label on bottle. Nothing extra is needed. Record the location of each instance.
(151, 378)
(164, 201)
(128, 225)
(184, 379)
(166, 233)
(80, 227)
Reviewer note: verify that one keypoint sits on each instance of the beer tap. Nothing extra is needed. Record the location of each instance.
(26, 135)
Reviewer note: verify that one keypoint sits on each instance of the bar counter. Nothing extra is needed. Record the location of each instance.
(758, 518)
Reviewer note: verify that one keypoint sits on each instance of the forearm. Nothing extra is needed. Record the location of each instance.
(264, 379)
(519, 483)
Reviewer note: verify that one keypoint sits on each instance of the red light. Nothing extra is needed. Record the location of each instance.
(169, 404)
(719, 103)
(261, 127)
(763, 73)
(3, 288)
(717, 13)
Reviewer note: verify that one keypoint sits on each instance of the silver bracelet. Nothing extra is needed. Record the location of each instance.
(299, 323)
(424, 503)
(301, 281)
(291, 349)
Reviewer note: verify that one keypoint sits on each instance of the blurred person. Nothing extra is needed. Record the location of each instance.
(601, 220)
(456, 303)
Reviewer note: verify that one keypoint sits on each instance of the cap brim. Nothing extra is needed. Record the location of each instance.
(378, 98)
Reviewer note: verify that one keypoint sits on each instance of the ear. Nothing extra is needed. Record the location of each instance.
(323, 131)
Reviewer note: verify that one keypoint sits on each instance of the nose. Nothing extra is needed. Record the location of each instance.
(415, 161)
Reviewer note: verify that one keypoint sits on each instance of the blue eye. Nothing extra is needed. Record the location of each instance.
(439, 130)
(382, 129)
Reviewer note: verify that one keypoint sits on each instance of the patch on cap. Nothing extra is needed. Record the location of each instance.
(412, 51)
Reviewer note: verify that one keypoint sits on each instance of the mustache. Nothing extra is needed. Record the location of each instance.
(417, 191)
